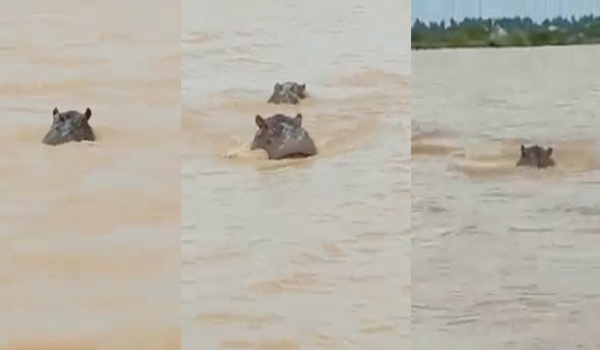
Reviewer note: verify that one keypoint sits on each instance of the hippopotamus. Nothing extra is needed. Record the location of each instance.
(283, 137)
(69, 126)
(288, 92)
(536, 156)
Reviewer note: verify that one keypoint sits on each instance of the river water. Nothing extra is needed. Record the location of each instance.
(302, 254)
(505, 258)
(89, 233)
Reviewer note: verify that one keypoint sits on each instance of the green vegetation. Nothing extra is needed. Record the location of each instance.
(504, 32)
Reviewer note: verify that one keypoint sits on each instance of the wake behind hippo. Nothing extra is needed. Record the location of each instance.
(69, 126)
(536, 156)
(283, 137)
(288, 93)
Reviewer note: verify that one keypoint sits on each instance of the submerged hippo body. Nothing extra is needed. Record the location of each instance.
(283, 137)
(536, 156)
(289, 93)
(69, 126)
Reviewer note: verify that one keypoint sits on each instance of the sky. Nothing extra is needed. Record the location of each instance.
(538, 10)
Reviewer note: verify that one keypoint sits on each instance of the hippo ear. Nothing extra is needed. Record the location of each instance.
(303, 87)
(260, 122)
(549, 151)
(88, 113)
(56, 116)
(522, 150)
(298, 120)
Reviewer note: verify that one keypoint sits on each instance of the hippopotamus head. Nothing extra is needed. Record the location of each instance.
(289, 92)
(536, 156)
(69, 126)
(283, 137)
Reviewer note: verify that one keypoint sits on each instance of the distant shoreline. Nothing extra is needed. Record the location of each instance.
(505, 32)
(490, 46)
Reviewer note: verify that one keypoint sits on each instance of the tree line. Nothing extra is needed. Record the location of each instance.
(516, 31)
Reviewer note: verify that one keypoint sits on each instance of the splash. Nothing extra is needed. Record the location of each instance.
(225, 123)
(375, 78)
(571, 156)
(200, 37)
(498, 157)
(433, 143)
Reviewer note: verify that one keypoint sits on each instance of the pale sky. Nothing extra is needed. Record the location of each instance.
(538, 10)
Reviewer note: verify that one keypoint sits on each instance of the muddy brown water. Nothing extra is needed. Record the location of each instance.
(306, 253)
(89, 232)
(505, 257)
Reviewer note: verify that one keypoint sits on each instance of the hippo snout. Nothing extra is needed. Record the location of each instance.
(288, 93)
(69, 126)
(282, 136)
(536, 156)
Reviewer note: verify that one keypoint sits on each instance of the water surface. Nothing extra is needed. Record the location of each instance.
(302, 254)
(505, 257)
(88, 231)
